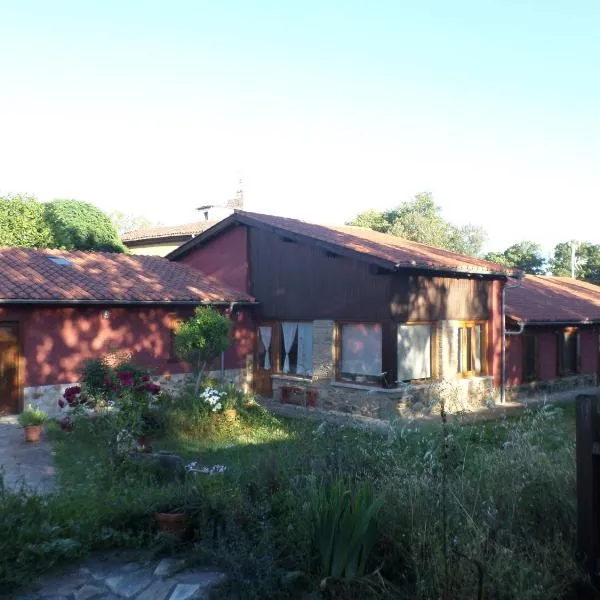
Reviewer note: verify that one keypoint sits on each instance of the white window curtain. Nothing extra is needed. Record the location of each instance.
(477, 348)
(305, 347)
(361, 349)
(414, 352)
(265, 336)
(289, 334)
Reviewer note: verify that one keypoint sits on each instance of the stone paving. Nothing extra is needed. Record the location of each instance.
(24, 463)
(114, 575)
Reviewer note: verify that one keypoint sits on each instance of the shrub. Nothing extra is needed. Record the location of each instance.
(32, 416)
(202, 338)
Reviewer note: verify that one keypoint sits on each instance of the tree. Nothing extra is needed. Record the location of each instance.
(201, 339)
(587, 261)
(22, 222)
(526, 256)
(78, 225)
(420, 220)
(124, 222)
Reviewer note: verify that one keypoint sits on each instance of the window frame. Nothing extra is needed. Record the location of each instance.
(561, 347)
(470, 373)
(433, 357)
(527, 376)
(278, 355)
(338, 343)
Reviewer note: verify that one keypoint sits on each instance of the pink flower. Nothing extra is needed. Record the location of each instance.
(126, 378)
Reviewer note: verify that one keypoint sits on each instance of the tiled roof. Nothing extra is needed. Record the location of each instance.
(386, 247)
(29, 274)
(152, 233)
(553, 299)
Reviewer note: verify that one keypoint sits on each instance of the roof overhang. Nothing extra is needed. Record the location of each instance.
(552, 322)
(239, 219)
(24, 301)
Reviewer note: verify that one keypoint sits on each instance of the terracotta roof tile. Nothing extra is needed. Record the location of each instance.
(384, 246)
(28, 274)
(151, 233)
(553, 299)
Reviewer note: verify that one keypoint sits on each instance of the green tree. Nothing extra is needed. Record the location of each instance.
(22, 222)
(587, 261)
(124, 222)
(202, 338)
(78, 225)
(420, 220)
(525, 255)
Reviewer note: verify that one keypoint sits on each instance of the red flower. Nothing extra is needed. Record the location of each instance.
(71, 391)
(126, 378)
(146, 378)
(62, 403)
(66, 424)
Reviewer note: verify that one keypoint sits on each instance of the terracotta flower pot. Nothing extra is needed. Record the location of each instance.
(33, 433)
(172, 523)
(230, 414)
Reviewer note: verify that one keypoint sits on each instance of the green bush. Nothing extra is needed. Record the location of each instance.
(22, 222)
(32, 416)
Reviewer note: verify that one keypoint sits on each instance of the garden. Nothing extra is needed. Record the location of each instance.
(295, 509)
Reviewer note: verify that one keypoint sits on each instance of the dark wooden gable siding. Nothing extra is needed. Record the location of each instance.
(295, 280)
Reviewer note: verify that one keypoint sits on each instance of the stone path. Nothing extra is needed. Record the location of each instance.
(114, 575)
(24, 463)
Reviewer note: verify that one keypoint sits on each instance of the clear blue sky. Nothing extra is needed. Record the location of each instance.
(324, 108)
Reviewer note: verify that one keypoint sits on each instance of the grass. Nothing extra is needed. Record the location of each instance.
(496, 498)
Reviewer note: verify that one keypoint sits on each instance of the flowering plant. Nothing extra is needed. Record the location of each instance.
(214, 398)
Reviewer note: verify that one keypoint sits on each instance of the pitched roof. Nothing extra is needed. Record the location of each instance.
(385, 248)
(553, 299)
(152, 233)
(29, 274)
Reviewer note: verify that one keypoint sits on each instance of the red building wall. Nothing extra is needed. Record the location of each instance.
(588, 345)
(56, 341)
(547, 348)
(225, 258)
(495, 333)
(514, 359)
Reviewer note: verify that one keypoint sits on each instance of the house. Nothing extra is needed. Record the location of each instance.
(160, 241)
(553, 328)
(357, 320)
(58, 309)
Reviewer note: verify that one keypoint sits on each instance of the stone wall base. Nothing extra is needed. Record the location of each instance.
(408, 401)
(553, 386)
(47, 396)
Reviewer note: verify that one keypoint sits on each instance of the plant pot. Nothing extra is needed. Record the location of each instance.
(230, 414)
(172, 523)
(33, 433)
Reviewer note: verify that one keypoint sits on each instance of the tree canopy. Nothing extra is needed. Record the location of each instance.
(525, 255)
(68, 224)
(587, 261)
(23, 222)
(420, 220)
(128, 222)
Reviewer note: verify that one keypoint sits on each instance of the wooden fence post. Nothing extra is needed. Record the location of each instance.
(588, 482)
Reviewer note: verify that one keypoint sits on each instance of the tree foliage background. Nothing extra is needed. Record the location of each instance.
(67, 224)
(587, 261)
(526, 256)
(124, 222)
(420, 220)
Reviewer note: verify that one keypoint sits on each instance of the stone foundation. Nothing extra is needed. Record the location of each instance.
(47, 396)
(553, 386)
(407, 401)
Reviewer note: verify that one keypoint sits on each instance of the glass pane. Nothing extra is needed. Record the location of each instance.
(478, 348)
(459, 349)
(414, 352)
(361, 351)
(305, 347)
(469, 349)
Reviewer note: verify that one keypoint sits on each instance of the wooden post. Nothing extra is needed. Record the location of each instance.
(588, 483)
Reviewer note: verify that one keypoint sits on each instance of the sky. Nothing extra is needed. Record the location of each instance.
(323, 109)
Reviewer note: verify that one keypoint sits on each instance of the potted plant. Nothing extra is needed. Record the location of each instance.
(32, 419)
(172, 519)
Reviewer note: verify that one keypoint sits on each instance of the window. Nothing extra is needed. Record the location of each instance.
(530, 357)
(174, 323)
(265, 333)
(60, 261)
(360, 359)
(568, 348)
(414, 351)
(296, 348)
(470, 349)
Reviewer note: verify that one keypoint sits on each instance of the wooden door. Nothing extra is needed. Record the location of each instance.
(9, 363)
(266, 358)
